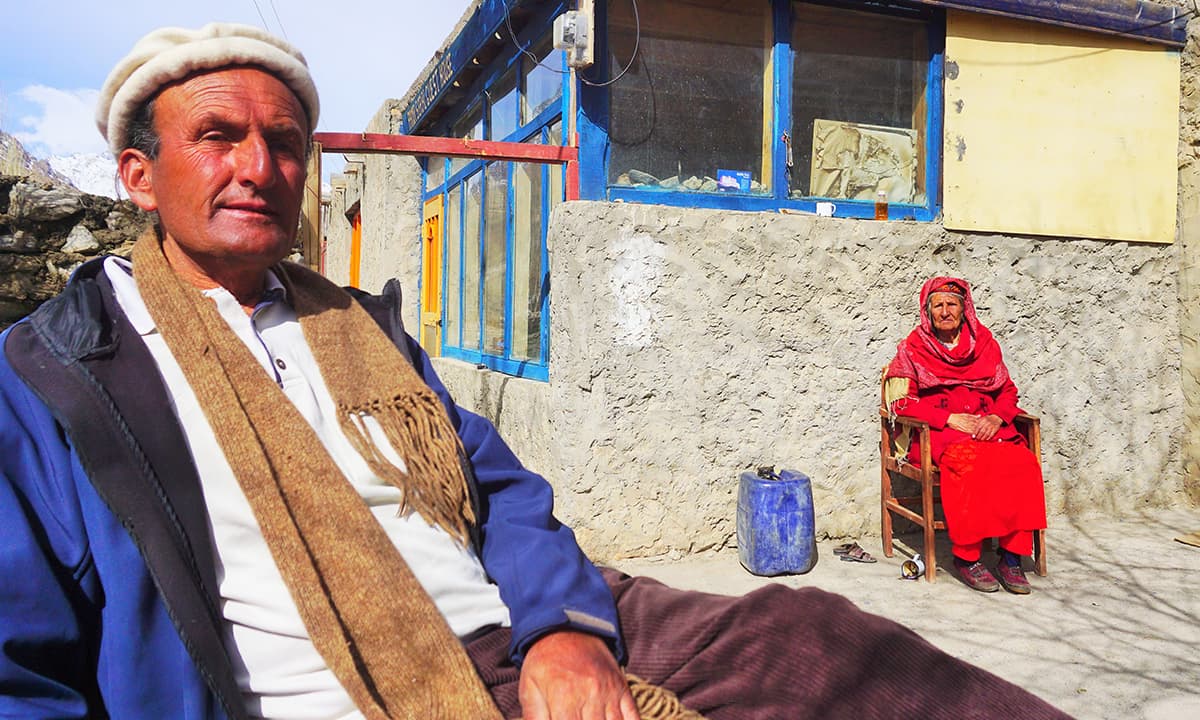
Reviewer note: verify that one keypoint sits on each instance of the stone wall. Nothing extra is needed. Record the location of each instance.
(46, 231)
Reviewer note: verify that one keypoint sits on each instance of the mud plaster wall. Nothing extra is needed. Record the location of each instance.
(688, 345)
(701, 343)
(388, 190)
(1189, 241)
(391, 240)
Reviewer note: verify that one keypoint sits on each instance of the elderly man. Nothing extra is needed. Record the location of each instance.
(232, 489)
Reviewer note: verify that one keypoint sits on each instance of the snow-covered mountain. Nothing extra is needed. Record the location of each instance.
(93, 174)
(14, 160)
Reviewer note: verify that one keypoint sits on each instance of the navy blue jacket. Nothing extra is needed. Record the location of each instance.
(108, 602)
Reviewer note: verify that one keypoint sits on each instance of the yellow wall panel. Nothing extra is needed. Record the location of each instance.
(1050, 131)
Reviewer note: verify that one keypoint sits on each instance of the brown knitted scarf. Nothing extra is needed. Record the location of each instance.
(369, 618)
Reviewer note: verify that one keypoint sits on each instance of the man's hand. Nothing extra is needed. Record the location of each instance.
(987, 427)
(571, 675)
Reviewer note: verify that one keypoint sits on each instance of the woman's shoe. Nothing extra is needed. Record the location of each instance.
(976, 576)
(1012, 577)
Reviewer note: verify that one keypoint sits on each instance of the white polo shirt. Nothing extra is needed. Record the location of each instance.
(278, 669)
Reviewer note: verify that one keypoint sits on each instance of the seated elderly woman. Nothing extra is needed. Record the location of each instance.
(991, 482)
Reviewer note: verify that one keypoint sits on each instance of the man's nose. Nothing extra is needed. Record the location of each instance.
(254, 164)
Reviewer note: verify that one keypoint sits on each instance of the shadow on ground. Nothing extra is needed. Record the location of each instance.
(1111, 632)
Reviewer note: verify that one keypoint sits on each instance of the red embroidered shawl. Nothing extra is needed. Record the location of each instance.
(975, 361)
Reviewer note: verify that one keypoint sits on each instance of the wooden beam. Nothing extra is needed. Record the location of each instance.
(1143, 19)
(310, 213)
(386, 143)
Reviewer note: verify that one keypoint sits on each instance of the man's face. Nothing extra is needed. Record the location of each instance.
(945, 312)
(229, 176)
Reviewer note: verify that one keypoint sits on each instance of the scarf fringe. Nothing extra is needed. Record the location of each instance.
(405, 421)
(658, 703)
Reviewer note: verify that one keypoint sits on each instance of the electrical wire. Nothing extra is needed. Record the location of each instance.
(637, 39)
(524, 49)
(260, 16)
(279, 22)
(1194, 12)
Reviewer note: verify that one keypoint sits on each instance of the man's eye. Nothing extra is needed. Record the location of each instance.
(287, 145)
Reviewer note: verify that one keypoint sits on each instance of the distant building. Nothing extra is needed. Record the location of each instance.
(770, 181)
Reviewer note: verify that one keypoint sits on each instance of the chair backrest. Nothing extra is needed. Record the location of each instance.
(890, 390)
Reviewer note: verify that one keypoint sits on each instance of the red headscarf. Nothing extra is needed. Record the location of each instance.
(974, 362)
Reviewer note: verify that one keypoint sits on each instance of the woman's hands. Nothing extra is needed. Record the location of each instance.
(980, 427)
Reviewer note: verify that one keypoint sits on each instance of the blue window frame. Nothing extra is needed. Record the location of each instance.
(766, 104)
(757, 105)
(496, 270)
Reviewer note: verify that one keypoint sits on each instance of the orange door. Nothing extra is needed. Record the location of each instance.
(431, 277)
(355, 250)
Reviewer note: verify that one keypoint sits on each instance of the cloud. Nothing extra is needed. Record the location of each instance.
(64, 124)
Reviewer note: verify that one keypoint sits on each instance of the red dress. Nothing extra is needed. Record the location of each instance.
(989, 489)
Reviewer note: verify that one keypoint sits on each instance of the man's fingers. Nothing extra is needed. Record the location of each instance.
(533, 703)
(628, 708)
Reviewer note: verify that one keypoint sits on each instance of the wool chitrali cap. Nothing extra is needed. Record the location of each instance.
(169, 54)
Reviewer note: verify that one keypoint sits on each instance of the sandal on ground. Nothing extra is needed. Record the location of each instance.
(853, 552)
(844, 548)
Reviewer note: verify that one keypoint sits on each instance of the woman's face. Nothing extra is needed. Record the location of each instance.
(946, 313)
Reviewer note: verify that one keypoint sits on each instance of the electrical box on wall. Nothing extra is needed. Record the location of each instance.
(573, 33)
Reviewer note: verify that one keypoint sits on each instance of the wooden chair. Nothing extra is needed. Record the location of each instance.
(919, 509)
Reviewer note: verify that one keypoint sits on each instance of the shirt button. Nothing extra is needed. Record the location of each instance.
(279, 363)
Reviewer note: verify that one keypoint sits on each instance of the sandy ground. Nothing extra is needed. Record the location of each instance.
(1112, 632)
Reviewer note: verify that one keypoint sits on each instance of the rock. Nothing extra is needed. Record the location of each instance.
(671, 182)
(693, 183)
(709, 185)
(81, 241)
(642, 178)
(126, 218)
(32, 203)
(22, 242)
(13, 310)
(62, 274)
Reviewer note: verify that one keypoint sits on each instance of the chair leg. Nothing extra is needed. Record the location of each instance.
(885, 515)
(927, 518)
(1039, 553)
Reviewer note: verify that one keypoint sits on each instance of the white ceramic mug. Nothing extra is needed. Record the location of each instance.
(912, 569)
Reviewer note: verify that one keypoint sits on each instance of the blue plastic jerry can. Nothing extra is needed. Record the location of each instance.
(775, 528)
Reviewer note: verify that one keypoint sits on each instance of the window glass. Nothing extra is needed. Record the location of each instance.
(502, 101)
(527, 262)
(470, 283)
(495, 258)
(435, 172)
(858, 111)
(453, 264)
(692, 112)
(557, 172)
(541, 81)
(470, 126)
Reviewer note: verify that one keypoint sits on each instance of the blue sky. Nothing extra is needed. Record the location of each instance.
(55, 54)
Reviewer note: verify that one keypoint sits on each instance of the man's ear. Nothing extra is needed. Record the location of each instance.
(137, 175)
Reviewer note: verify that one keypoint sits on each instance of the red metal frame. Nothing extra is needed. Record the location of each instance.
(368, 143)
